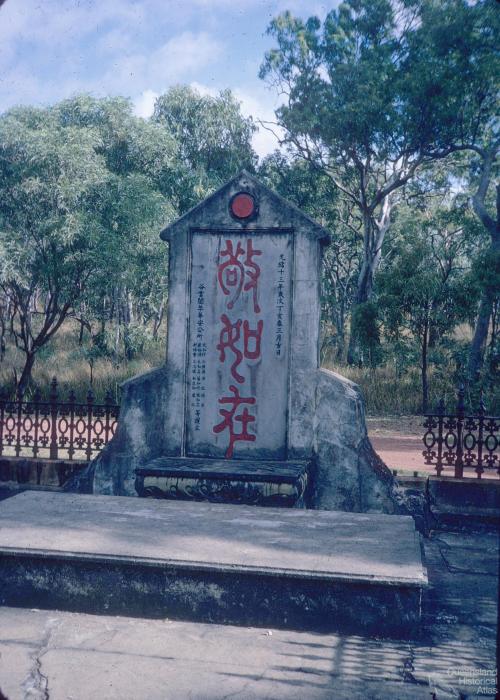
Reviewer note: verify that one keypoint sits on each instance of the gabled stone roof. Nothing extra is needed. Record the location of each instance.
(274, 212)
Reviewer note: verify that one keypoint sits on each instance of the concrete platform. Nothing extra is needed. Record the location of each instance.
(318, 570)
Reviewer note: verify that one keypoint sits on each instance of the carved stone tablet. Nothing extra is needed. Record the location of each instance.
(238, 345)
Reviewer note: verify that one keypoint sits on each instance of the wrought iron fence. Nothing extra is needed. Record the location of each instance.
(456, 441)
(56, 429)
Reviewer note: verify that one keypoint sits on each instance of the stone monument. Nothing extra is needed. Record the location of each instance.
(241, 412)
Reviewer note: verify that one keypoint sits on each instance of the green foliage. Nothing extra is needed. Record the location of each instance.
(81, 210)
(373, 96)
(301, 183)
(85, 188)
(453, 54)
(365, 325)
(214, 139)
(426, 288)
(378, 95)
(486, 269)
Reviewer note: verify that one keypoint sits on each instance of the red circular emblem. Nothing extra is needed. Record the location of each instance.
(243, 205)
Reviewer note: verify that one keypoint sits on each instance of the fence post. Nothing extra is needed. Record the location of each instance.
(90, 402)
(19, 396)
(459, 461)
(37, 397)
(108, 401)
(53, 418)
(440, 417)
(71, 400)
(480, 420)
(2, 418)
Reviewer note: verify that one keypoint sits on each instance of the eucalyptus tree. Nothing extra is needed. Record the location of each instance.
(138, 198)
(214, 139)
(379, 90)
(48, 177)
(80, 213)
(427, 285)
(454, 52)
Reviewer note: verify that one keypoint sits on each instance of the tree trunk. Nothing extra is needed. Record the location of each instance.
(80, 335)
(363, 294)
(25, 378)
(480, 335)
(493, 228)
(425, 384)
(373, 237)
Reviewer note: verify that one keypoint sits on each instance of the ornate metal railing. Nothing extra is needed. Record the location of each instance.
(56, 429)
(456, 442)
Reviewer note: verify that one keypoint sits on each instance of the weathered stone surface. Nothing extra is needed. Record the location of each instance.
(349, 474)
(234, 341)
(140, 436)
(271, 483)
(91, 657)
(231, 564)
(244, 317)
(461, 503)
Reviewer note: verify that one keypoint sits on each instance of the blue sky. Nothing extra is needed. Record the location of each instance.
(52, 49)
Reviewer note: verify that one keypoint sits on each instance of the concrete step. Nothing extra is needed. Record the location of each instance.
(457, 504)
(289, 568)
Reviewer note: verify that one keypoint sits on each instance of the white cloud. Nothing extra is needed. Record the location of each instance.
(99, 47)
(63, 23)
(261, 107)
(309, 9)
(203, 90)
(185, 53)
(144, 104)
(173, 62)
(232, 4)
(52, 49)
(258, 104)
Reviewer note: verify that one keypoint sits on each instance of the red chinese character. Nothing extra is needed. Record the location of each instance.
(228, 416)
(254, 275)
(256, 335)
(229, 336)
(231, 273)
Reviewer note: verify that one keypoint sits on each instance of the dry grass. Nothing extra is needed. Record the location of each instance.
(388, 394)
(66, 360)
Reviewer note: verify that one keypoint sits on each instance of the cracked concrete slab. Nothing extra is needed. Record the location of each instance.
(109, 658)
(85, 657)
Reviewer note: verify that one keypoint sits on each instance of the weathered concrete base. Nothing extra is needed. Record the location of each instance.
(213, 563)
(39, 472)
(140, 437)
(463, 503)
(95, 657)
(329, 428)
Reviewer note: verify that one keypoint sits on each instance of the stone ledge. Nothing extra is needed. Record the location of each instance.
(240, 565)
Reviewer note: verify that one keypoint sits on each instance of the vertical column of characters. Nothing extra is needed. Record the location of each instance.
(280, 306)
(238, 274)
(198, 361)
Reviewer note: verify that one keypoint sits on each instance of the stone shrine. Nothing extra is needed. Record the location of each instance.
(241, 412)
(240, 416)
